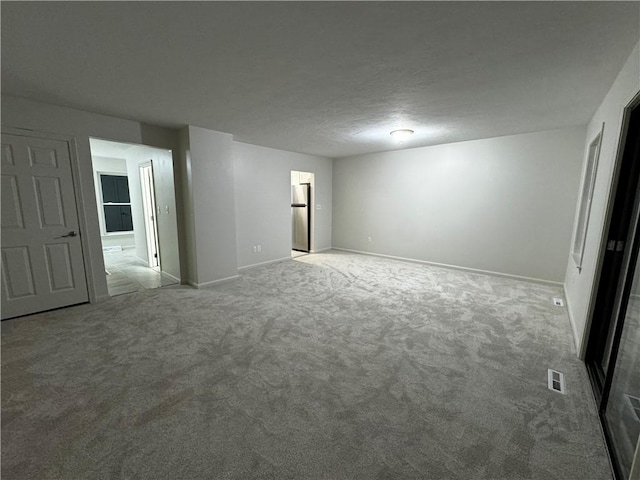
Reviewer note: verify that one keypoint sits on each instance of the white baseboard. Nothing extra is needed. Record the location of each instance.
(212, 283)
(144, 262)
(457, 267)
(322, 250)
(576, 340)
(254, 265)
(171, 277)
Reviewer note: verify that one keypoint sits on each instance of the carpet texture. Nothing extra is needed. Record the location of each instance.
(329, 366)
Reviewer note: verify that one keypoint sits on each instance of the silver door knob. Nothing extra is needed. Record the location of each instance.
(72, 233)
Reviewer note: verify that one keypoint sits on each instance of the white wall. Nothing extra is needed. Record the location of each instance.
(579, 285)
(207, 185)
(110, 165)
(502, 205)
(262, 180)
(186, 226)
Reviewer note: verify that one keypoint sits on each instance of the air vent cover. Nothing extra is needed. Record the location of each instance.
(555, 381)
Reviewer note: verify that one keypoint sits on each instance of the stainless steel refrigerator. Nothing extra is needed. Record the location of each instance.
(300, 213)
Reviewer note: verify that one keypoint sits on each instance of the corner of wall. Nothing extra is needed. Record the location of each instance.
(186, 230)
(577, 341)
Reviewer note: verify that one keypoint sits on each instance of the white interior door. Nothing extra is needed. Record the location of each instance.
(42, 262)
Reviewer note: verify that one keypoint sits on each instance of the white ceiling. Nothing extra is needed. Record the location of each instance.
(326, 78)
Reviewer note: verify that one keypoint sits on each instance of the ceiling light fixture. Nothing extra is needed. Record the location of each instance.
(401, 135)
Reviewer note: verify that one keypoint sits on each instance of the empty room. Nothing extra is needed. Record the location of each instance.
(320, 240)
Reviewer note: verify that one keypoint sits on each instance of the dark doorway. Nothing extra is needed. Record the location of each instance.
(613, 335)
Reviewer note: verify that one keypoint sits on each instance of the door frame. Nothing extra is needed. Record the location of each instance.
(623, 283)
(602, 248)
(623, 293)
(74, 162)
(154, 208)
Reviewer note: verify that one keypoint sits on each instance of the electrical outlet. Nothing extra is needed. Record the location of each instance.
(255, 249)
(370, 239)
(558, 302)
(259, 248)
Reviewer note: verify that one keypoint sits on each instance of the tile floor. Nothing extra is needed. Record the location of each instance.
(127, 274)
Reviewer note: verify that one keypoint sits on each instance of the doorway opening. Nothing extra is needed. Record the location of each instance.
(613, 345)
(302, 218)
(136, 211)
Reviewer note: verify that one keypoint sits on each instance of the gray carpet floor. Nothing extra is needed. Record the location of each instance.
(328, 366)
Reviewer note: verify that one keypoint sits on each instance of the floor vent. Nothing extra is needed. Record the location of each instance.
(558, 302)
(555, 381)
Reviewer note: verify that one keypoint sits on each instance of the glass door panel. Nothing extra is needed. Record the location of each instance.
(622, 412)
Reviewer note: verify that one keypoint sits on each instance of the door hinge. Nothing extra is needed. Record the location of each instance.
(620, 246)
(611, 245)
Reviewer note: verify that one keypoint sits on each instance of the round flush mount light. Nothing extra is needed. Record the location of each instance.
(401, 135)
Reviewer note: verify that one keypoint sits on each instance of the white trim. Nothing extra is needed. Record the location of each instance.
(457, 267)
(253, 265)
(118, 234)
(172, 277)
(594, 146)
(612, 182)
(213, 282)
(576, 338)
(322, 250)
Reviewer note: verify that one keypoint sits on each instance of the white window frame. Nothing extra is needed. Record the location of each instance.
(586, 199)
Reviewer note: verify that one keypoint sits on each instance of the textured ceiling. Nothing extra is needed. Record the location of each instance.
(326, 78)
